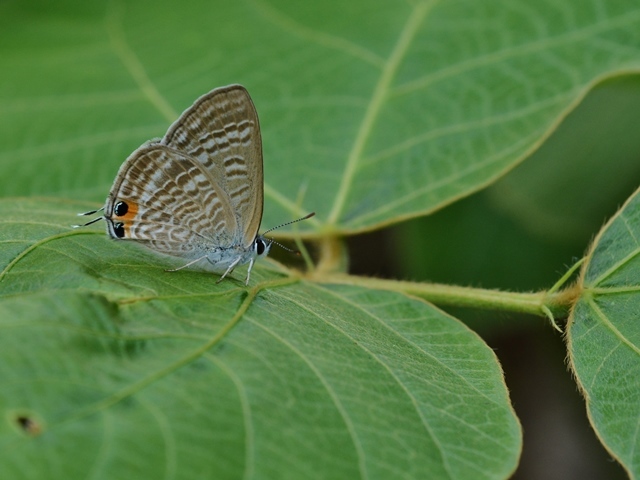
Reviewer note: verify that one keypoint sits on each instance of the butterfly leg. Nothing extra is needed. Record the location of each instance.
(230, 269)
(185, 266)
(246, 282)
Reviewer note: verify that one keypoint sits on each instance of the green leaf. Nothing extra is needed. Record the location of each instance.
(111, 366)
(372, 112)
(604, 335)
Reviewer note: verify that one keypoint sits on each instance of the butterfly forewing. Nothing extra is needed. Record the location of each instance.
(221, 131)
(165, 198)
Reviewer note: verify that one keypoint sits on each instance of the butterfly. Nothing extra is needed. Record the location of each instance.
(198, 192)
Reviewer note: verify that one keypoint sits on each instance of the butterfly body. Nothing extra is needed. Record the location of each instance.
(197, 193)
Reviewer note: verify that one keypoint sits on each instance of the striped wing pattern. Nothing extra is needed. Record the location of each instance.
(221, 131)
(173, 203)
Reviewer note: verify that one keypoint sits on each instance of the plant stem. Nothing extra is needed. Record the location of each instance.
(556, 304)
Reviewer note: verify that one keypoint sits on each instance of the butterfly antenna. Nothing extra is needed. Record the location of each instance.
(295, 252)
(289, 223)
(89, 213)
(88, 223)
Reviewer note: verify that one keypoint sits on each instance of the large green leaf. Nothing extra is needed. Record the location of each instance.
(604, 335)
(113, 368)
(371, 112)
(376, 111)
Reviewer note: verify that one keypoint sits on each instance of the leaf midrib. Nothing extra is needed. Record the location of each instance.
(414, 21)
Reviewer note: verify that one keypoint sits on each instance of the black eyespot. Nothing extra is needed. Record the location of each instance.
(120, 209)
(118, 229)
(260, 246)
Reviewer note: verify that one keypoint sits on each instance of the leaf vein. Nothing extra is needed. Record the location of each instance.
(170, 451)
(413, 344)
(332, 394)
(607, 323)
(410, 396)
(454, 177)
(249, 471)
(378, 98)
(616, 266)
(132, 63)
(289, 25)
(464, 127)
(516, 52)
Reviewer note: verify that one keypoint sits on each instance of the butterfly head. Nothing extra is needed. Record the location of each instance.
(261, 246)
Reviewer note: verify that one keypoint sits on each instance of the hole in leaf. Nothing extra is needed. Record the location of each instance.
(28, 424)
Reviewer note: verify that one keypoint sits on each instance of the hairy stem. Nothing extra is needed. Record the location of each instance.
(545, 303)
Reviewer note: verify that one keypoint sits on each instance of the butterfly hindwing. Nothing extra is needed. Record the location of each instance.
(162, 196)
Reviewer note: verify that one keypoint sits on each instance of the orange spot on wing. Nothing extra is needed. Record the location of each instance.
(128, 218)
(131, 212)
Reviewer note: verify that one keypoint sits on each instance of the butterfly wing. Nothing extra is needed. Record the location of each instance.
(222, 132)
(169, 202)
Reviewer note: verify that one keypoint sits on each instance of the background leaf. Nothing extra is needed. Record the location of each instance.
(604, 338)
(375, 111)
(121, 368)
